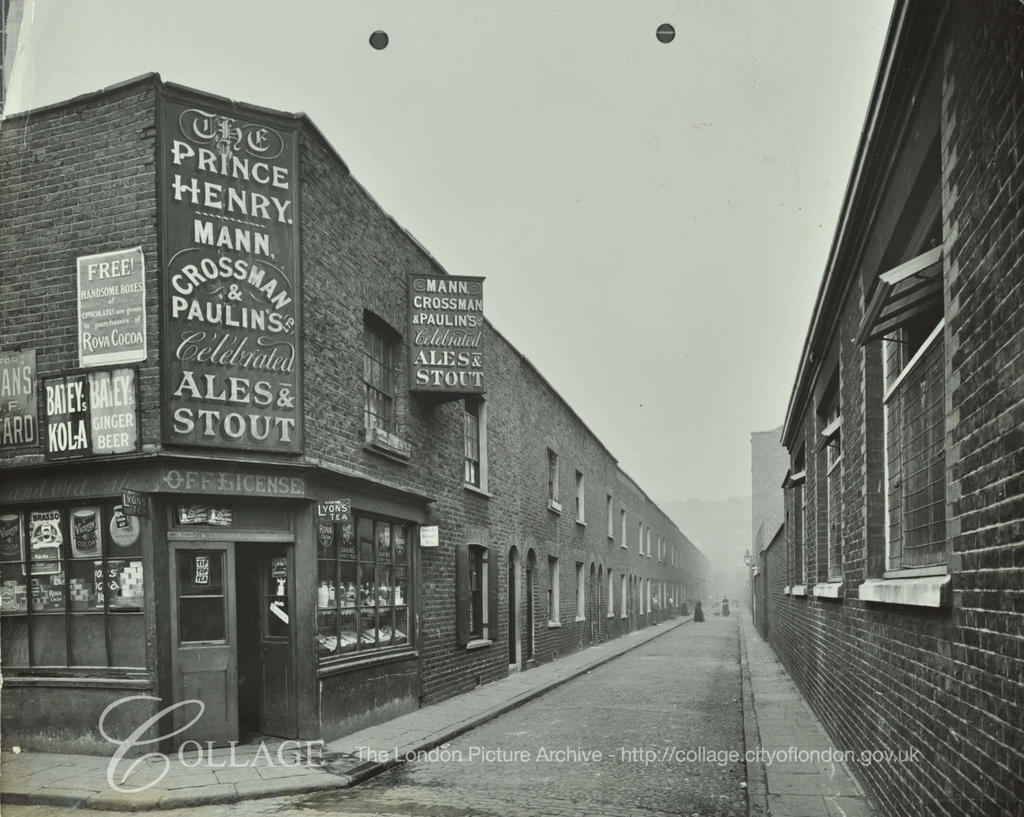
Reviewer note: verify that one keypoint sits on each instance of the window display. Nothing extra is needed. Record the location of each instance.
(363, 588)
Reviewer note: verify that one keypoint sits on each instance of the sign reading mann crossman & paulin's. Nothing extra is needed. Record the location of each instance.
(446, 317)
(230, 239)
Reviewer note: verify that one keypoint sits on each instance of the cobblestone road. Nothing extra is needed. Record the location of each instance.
(646, 733)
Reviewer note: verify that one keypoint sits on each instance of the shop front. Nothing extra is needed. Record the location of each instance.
(244, 601)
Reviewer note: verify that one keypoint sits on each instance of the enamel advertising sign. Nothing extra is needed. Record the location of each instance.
(111, 308)
(232, 357)
(18, 412)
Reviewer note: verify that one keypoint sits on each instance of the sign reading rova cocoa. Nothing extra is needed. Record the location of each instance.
(446, 316)
(231, 311)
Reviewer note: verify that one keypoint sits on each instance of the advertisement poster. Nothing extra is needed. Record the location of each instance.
(85, 532)
(446, 316)
(45, 539)
(92, 413)
(231, 281)
(12, 537)
(111, 308)
(18, 406)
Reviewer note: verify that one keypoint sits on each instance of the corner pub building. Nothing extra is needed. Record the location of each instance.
(260, 451)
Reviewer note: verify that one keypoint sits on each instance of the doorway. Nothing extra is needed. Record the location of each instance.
(530, 570)
(232, 637)
(514, 646)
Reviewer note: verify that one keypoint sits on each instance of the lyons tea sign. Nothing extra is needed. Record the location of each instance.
(231, 282)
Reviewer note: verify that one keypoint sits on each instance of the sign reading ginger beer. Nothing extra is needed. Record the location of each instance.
(230, 233)
(446, 316)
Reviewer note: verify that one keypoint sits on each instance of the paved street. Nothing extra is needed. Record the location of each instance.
(642, 734)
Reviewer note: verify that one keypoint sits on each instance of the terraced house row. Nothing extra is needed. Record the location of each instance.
(895, 595)
(260, 451)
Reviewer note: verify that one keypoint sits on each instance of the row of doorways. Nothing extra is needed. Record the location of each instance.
(232, 633)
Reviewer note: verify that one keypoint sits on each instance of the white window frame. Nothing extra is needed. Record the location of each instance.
(553, 594)
(833, 434)
(624, 531)
(611, 516)
(581, 491)
(611, 594)
(553, 486)
(623, 596)
(481, 422)
(581, 588)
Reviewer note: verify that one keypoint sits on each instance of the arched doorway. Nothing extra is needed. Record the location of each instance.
(514, 646)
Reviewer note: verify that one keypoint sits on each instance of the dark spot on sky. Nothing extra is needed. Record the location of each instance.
(379, 40)
(666, 33)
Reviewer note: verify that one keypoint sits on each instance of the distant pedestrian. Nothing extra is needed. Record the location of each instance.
(698, 613)
(725, 607)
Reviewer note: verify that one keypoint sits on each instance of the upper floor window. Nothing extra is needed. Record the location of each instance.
(379, 345)
(610, 513)
(553, 502)
(553, 601)
(797, 482)
(581, 592)
(474, 424)
(622, 527)
(580, 501)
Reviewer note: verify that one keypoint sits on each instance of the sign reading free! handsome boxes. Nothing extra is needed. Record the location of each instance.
(111, 308)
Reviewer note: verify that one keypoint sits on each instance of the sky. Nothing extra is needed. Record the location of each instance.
(653, 220)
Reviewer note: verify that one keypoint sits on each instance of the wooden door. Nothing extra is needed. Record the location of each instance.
(278, 715)
(204, 646)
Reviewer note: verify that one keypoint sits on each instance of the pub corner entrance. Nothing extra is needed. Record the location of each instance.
(232, 634)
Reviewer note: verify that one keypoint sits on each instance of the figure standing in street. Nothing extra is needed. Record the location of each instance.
(698, 613)
(725, 607)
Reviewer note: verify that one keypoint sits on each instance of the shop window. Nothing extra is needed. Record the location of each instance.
(580, 498)
(363, 593)
(476, 593)
(72, 587)
(379, 345)
(554, 616)
(915, 457)
(553, 502)
(581, 593)
(474, 425)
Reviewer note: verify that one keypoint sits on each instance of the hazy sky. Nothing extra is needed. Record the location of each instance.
(652, 219)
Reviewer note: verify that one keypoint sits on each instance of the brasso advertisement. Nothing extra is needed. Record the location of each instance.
(230, 233)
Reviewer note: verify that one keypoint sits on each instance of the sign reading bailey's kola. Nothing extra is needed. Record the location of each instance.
(18, 411)
(91, 413)
(111, 308)
(231, 277)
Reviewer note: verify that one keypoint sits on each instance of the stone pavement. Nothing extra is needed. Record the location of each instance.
(283, 767)
(798, 775)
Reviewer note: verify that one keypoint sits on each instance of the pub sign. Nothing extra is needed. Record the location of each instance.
(446, 317)
(231, 348)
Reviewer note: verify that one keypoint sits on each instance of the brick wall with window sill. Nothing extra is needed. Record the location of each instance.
(555, 506)
(479, 644)
(554, 625)
(828, 590)
(916, 591)
(473, 489)
(799, 590)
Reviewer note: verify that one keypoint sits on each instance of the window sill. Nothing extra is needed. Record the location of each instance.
(624, 616)
(611, 615)
(624, 546)
(918, 591)
(554, 625)
(473, 489)
(580, 618)
(384, 452)
(916, 572)
(828, 590)
(799, 590)
(786, 590)
(555, 507)
(357, 661)
(478, 644)
(581, 523)
(611, 537)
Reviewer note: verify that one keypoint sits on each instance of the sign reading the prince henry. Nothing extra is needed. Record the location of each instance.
(230, 235)
(111, 308)
(446, 313)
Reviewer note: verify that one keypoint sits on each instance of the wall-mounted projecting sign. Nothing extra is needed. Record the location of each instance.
(91, 413)
(446, 325)
(231, 280)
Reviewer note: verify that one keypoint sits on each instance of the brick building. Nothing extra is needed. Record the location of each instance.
(896, 597)
(769, 461)
(260, 450)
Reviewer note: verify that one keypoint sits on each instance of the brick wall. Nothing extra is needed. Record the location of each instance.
(77, 179)
(944, 685)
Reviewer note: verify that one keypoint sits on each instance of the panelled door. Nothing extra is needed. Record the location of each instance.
(277, 682)
(203, 636)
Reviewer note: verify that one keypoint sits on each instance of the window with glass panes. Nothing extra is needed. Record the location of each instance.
(471, 437)
(378, 375)
(915, 446)
(72, 587)
(363, 587)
